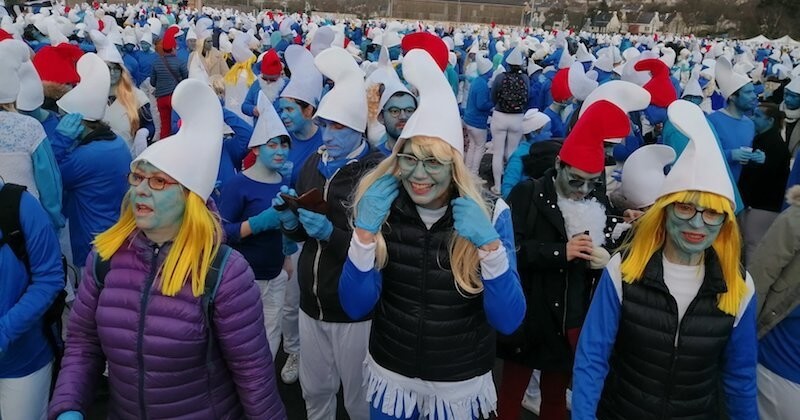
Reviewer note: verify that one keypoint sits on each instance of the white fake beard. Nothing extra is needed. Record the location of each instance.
(271, 89)
(584, 215)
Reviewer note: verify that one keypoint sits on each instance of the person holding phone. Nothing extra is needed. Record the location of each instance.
(435, 262)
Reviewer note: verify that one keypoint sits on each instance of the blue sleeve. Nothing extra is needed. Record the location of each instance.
(174, 122)
(74, 169)
(48, 182)
(236, 147)
(484, 98)
(739, 367)
(359, 291)
(47, 273)
(61, 145)
(251, 100)
(513, 173)
(595, 344)
(231, 206)
(503, 300)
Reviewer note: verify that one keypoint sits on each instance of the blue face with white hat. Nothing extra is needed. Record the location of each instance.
(339, 140)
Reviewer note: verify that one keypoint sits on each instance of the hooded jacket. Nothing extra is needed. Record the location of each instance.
(155, 345)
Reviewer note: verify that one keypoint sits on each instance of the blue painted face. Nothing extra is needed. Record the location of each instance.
(129, 48)
(746, 100)
(762, 121)
(791, 99)
(144, 46)
(395, 113)
(689, 237)
(274, 153)
(157, 211)
(292, 115)
(339, 139)
(575, 184)
(427, 181)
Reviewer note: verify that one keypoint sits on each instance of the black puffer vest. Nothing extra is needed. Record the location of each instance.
(423, 327)
(652, 378)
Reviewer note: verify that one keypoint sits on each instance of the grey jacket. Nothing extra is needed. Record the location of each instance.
(775, 267)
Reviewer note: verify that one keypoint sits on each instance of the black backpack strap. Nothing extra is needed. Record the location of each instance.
(11, 197)
(212, 282)
(101, 269)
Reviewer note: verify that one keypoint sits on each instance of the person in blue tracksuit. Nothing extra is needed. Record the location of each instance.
(671, 330)
(436, 307)
(25, 294)
(476, 115)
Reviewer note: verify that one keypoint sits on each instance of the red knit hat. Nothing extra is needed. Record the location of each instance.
(271, 64)
(560, 86)
(662, 93)
(583, 147)
(5, 35)
(430, 43)
(168, 43)
(58, 64)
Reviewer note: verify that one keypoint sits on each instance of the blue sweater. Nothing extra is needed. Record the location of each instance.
(597, 339)
(146, 60)
(242, 198)
(479, 102)
(779, 349)
(300, 151)
(503, 300)
(732, 133)
(25, 297)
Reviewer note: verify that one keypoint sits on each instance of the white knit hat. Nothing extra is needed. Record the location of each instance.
(625, 95)
(31, 92)
(581, 84)
(306, 81)
(643, 174)
(533, 120)
(193, 154)
(90, 97)
(105, 50)
(701, 166)
(14, 53)
(728, 81)
(268, 126)
(437, 109)
(346, 103)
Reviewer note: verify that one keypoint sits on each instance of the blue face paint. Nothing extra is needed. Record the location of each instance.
(292, 116)
(428, 189)
(129, 48)
(574, 184)
(158, 213)
(791, 99)
(274, 153)
(144, 46)
(687, 239)
(339, 140)
(745, 100)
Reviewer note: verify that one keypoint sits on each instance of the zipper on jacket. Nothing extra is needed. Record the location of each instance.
(422, 289)
(318, 254)
(140, 334)
(675, 352)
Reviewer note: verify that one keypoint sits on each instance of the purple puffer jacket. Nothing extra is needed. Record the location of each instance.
(156, 345)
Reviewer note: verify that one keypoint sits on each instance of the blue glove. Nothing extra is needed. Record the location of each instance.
(70, 415)
(286, 170)
(70, 126)
(471, 222)
(617, 175)
(289, 246)
(316, 225)
(373, 208)
(741, 156)
(287, 217)
(266, 220)
(758, 157)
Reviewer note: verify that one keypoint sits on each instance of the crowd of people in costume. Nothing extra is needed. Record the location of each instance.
(441, 222)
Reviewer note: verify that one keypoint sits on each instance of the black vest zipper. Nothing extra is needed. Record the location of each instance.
(423, 290)
(140, 335)
(676, 343)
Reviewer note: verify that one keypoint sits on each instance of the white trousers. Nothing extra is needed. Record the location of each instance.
(291, 307)
(477, 143)
(26, 397)
(272, 301)
(331, 353)
(506, 134)
(778, 397)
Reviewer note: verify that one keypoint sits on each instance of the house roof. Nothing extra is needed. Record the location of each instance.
(601, 19)
(641, 18)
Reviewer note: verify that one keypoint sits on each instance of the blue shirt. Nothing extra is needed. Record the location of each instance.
(779, 349)
(242, 198)
(300, 151)
(479, 102)
(25, 297)
(733, 134)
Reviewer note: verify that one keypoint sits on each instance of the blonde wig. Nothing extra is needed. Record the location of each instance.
(464, 260)
(127, 98)
(192, 251)
(649, 235)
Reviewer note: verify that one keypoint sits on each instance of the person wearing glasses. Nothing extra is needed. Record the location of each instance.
(398, 105)
(435, 262)
(172, 350)
(560, 228)
(671, 331)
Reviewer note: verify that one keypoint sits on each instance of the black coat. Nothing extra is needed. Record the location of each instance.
(557, 291)
(763, 186)
(320, 264)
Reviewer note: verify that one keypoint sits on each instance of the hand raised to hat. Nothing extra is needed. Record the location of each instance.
(70, 126)
(471, 222)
